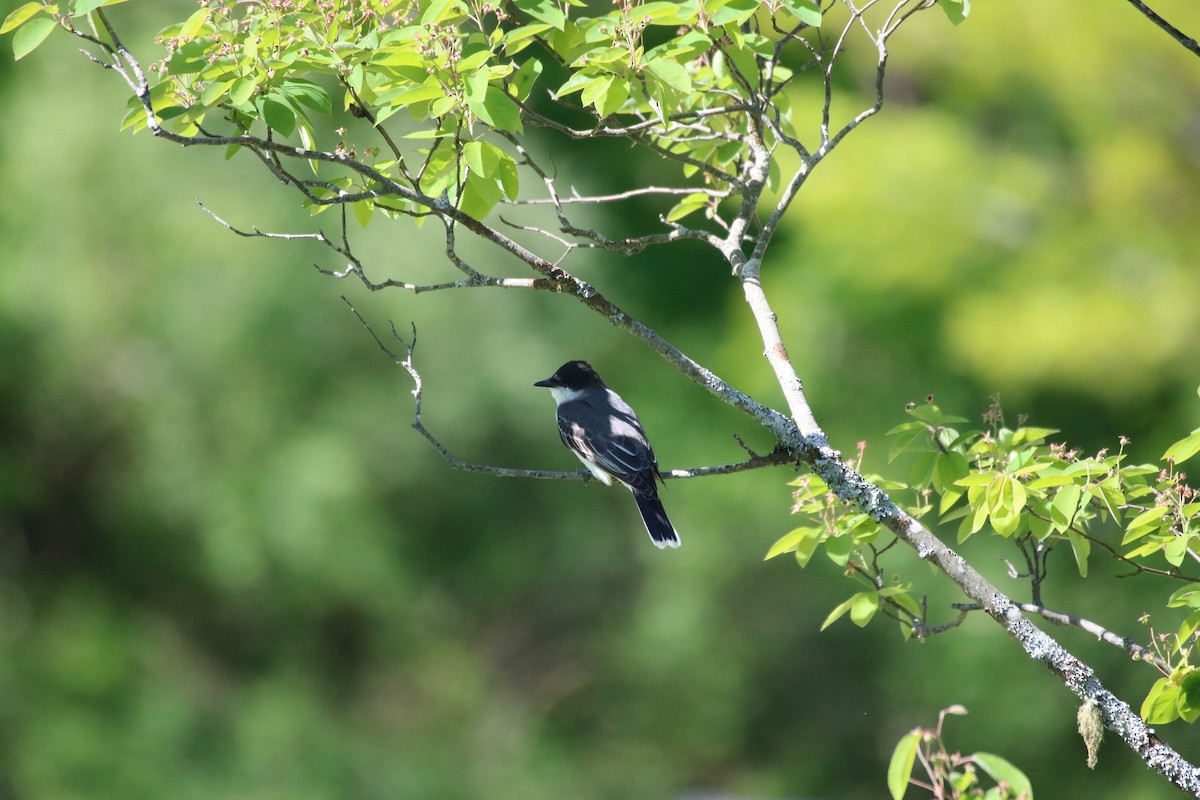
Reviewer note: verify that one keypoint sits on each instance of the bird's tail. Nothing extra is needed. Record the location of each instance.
(662, 533)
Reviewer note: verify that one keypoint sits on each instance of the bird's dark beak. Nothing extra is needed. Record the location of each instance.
(546, 383)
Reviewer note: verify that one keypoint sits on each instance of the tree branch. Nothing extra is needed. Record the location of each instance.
(1189, 43)
(776, 457)
(1134, 649)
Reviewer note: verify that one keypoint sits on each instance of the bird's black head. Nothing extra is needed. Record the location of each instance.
(572, 375)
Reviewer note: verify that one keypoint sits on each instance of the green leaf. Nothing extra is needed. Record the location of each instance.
(307, 93)
(690, 203)
(976, 479)
(789, 541)
(951, 468)
(214, 92)
(660, 12)
(807, 11)
(1161, 704)
(497, 110)
(1185, 596)
(1081, 547)
(241, 91)
(839, 548)
(863, 608)
(616, 96)
(1176, 549)
(30, 35)
(1065, 505)
(671, 73)
(518, 39)
(901, 766)
(596, 90)
(1189, 696)
(1032, 435)
(480, 195)
(194, 23)
(87, 6)
(522, 81)
(1185, 448)
(724, 12)
(363, 211)
(440, 11)
(19, 16)
(956, 10)
(1152, 546)
(278, 114)
(546, 11)
(1004, 771)
(921, 475)
(841, 609)
(1050, 480)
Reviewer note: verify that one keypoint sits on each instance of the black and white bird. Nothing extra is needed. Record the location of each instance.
(603, 432)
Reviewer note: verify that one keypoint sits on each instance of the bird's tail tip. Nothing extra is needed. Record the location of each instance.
(662, 542)
(661, 531)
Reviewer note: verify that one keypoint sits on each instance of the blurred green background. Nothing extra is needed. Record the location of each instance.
(229, 568)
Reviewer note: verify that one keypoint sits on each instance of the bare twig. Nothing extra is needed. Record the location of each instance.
(1189, 43)
(1139, 652)
(774, 458)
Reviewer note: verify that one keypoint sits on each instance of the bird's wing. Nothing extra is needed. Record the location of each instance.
(610, 436)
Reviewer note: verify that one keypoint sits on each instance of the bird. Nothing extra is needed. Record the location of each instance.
(605, 434)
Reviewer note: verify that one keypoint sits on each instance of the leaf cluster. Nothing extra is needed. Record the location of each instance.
(952, 775)
(691, 80)
(1016, 484)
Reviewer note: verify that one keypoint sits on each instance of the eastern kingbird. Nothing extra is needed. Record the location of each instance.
(603, 432)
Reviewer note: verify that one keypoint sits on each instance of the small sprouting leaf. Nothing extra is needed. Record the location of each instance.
(901, 766)
(30, 35)
(19, 16)
(1004, 771)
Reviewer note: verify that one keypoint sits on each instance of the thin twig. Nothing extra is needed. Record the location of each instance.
(1188, 42)
(1136, 650)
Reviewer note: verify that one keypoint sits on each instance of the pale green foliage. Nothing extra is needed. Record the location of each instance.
(1015, 484)
(465, 71)
(952, 775)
